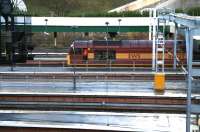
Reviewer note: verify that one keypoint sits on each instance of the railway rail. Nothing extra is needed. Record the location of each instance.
(94, 102)
(45, 62)
(88, 76)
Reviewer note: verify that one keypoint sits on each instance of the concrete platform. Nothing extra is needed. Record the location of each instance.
(109, 121)
(91, 87)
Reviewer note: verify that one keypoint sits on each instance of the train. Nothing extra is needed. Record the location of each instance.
(121, 53)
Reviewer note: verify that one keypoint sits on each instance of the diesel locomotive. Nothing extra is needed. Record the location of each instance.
(120, 53)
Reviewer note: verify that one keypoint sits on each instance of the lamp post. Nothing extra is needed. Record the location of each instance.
(74, 67)
(45, 30)
(119, 20)
(74, 61)
(107, 52)
(0, 40)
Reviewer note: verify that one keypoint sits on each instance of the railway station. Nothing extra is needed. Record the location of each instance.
(100, 73)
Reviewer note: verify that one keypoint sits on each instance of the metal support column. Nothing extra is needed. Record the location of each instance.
(107, 50)
(55, 42)
(0, 39)
(74, 60)
(12, 52)
(154, 39)
(190, 43)
(150, 25)
(55, 39)
(74, 69)
(175, 46)
(187, 45)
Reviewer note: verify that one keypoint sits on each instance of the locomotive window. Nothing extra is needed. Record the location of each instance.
(112, 55)
(78, 51)
(102, 55)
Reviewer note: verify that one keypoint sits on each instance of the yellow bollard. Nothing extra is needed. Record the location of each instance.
(159, 81)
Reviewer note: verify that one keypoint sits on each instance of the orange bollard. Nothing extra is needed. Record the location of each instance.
(159, 81)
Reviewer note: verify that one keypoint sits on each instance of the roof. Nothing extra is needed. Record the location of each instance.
(135, 5)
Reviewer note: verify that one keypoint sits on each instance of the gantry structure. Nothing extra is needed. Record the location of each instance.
(191, 27)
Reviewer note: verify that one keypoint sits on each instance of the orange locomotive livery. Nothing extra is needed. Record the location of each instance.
(120, 53)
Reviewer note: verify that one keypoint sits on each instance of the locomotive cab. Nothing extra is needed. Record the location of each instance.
(85, 54)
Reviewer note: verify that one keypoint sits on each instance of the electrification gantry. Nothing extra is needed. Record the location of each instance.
(191, 26)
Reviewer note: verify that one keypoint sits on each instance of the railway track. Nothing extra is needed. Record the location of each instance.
(90, 75)
(46, 62)
(94, 102)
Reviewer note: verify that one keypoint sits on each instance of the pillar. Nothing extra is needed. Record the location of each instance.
(190, 58)
(150, 24)
(55, 39)
(154, 40)
(175, 46)
(187, 44)
(0, 40)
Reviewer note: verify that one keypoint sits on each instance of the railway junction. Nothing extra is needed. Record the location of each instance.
(73, 98)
